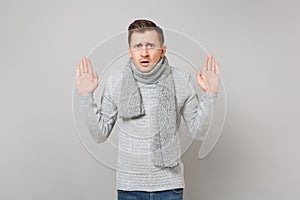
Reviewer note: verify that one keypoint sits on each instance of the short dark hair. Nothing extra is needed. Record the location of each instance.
(143, 25)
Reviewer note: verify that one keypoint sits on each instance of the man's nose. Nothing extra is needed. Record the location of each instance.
(144, 52)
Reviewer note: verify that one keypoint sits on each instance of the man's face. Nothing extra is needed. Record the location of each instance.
(145, 50)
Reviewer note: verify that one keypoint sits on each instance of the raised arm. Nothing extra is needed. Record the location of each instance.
(197, 114)
(99, 121)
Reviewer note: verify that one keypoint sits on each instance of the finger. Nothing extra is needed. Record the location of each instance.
(95, 75)
(210, 63)
(85, 67)
(217, 68)
(206, 63)
(199, 77)
(89, 66)
(78, 71)
(213, 62)
(81, 66)
(202, 81)
(199, 74)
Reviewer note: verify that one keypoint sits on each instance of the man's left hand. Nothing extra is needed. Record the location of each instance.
(209, 79)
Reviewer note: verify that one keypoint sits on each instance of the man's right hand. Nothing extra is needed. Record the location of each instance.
(86, 78)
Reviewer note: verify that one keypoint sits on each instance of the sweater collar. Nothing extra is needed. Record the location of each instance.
(159, 72)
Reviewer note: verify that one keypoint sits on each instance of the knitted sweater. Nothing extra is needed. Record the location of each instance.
(135, 170)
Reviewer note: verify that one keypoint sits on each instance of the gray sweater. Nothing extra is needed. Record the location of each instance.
(135, 170)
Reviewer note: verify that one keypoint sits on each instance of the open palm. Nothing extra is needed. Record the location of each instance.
(86, 78)
(209, 79)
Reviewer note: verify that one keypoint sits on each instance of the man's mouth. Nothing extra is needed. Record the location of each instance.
(145, 63)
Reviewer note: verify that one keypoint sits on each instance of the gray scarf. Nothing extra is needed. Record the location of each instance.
(165, 143)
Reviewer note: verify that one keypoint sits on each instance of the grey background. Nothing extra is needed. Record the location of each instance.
(256, 42)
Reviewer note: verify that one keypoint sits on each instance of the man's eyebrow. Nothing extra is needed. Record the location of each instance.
(134, 44)
(139, 43)
(149, 43)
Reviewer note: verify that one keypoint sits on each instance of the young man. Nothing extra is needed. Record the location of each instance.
(148, 97)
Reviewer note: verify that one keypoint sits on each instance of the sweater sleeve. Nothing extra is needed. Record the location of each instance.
(100, 121)
(196, 113)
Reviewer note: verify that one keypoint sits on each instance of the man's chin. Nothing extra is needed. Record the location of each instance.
(145, 68)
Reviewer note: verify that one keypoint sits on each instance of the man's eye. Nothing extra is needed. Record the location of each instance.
(150, 45)
(137, 46)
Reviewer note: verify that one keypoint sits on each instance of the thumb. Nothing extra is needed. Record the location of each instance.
(77, 72)
(95, 75)
(199, 76)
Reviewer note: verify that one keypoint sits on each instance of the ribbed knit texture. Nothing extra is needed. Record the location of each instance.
(135, 168)
(165, 143)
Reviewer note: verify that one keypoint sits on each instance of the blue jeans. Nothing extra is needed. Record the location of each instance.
(174, 194)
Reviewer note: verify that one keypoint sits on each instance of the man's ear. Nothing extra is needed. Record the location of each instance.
(129, 52)
(163, 51)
